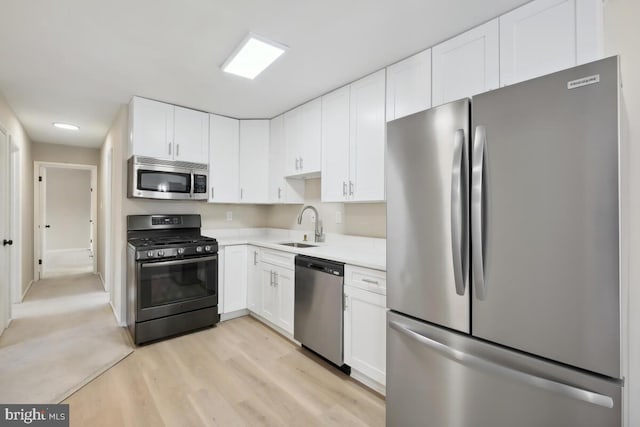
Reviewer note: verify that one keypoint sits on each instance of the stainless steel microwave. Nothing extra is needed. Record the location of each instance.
(151, 178)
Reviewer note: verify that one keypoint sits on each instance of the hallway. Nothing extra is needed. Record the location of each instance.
(63, 335)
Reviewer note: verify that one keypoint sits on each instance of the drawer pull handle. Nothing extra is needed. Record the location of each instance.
(373, 282)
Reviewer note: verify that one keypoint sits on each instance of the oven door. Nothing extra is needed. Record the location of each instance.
(176, 286)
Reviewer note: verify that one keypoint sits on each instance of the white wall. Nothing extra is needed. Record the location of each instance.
(24, 241)
(622, 36)
(68, 208)
(359, 219)
(57, 153)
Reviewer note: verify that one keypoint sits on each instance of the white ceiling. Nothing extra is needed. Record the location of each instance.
(78, 61)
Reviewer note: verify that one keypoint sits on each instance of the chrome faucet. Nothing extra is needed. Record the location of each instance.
(319, 235)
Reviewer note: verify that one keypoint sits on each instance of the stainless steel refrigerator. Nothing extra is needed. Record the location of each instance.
(503, 257)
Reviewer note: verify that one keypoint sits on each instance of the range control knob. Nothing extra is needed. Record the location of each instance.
(150, 254)
(207, 248)
(180, 251)
(160, 253)
(199, 249)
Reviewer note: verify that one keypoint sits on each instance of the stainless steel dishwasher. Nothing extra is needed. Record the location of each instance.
(319, 306)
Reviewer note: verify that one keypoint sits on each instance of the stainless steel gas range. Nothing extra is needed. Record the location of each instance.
(172, 276)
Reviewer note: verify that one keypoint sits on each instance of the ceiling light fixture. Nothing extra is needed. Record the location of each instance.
(66, 126)
(254, 54)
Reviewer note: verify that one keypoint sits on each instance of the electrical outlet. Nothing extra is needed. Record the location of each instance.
(229, 215)
(339, 217)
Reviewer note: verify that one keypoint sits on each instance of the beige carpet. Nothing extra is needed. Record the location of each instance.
(62, 336)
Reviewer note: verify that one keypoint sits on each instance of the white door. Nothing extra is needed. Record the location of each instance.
(269, 297)
(254, 161)
(409, 86)
(4, 230)
(537, 39)
(368, 134)
(285, 291)
(235, 278)
(191, 135)
(152, 128)
(467, 64)
(224, 157)
(311, 136)
(276, 159)
(365, 327)
(335, 145)
(66, 221)
(292, 136)
(254, 283)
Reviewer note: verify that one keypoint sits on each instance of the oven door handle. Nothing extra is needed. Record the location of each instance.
(178, 262)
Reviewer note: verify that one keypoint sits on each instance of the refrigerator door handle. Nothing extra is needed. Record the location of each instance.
(458, 217)
(476, 362)
(477, 223)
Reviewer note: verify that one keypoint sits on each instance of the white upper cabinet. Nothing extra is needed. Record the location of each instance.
(302, 133)
(151, 128)
(409, 86)
(224, 159)
(335, 145)
(254, 161)
(191, 135)
(545, 36)
(164, 131)
(367, 138)
(467, 64)
(281, 190)
(353, 141)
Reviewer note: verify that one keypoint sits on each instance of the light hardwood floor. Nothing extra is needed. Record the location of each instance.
(238, 373)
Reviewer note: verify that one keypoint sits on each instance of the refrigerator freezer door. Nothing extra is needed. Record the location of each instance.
(427, 215)
(441, 378)
(544, 217)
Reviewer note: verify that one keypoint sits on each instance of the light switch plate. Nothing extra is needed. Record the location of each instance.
(229, 215)
(339, 217)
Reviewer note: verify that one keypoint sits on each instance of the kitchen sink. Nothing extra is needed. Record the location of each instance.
(298, 245)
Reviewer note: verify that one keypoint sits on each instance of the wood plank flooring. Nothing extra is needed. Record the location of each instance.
(238, 373)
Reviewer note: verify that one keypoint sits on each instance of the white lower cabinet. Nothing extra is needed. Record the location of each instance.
(234, 284)
(365, 326)
(271, 281)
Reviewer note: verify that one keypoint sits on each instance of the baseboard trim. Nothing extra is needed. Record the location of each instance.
(24, 293)
(104, 285)
(234, 314)
(368, 382)
(115, 313)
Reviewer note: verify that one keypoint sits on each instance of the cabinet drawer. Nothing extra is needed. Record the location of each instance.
(279, 258)
(366, 278)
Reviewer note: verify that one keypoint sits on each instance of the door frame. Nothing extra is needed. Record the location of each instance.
(16, 222)
(38, 197)
(5, 294)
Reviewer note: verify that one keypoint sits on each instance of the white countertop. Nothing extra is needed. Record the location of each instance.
(355, 250)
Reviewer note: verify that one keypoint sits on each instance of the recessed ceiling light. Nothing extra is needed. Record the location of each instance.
(66, 126)
(254, 54)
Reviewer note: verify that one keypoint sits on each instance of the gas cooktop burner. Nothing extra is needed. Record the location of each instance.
(173, 240)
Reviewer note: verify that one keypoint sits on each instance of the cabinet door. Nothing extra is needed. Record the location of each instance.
(365, 327)
(335, 145)
(269, 296)
(367, 142)
(254, 161)
(191, 135)
(152, 128)
(254, 280)
(311, 137)
(281, 190)
(224, 156)
(235, 278)
(285, 290)
(467, 64)
(537, 39)
(409, 86)
(292, 135)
